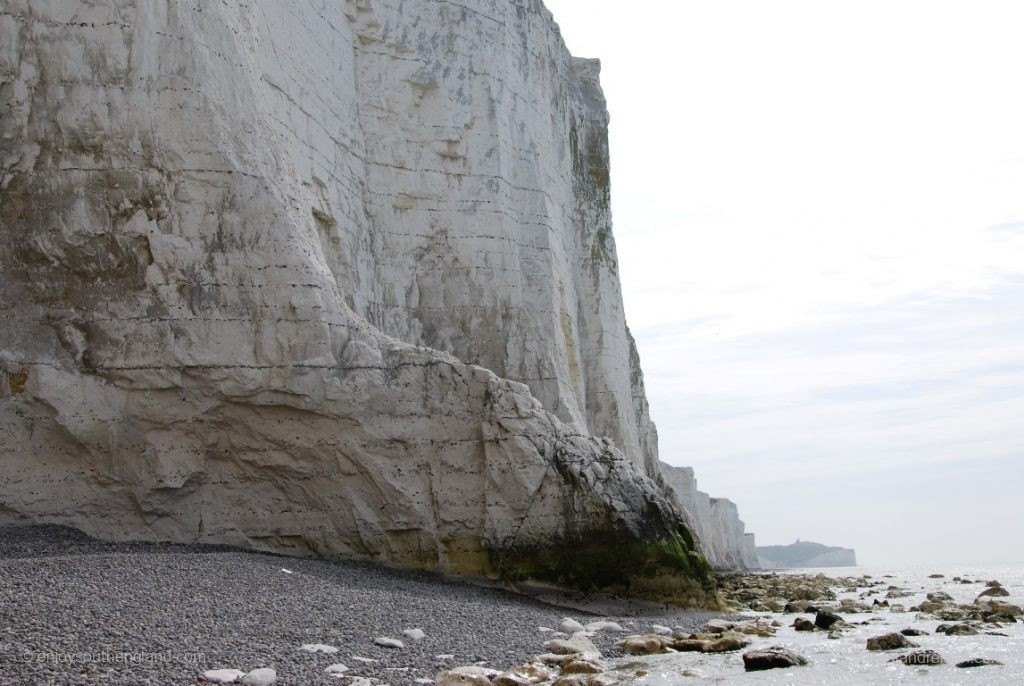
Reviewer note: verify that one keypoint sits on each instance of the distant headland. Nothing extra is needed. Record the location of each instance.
(805, 554)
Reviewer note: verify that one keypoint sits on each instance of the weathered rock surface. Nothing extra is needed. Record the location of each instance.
(890, 642)
(263, 676)
(715, 522)
(725, 644)
(775, 657)
(322, 280)
(647, 644)
(826, 620)
(978, 662)
(570, 626)
(921, 658)
(221, 676)
(804, 624)
(956, 630)
(466, 676)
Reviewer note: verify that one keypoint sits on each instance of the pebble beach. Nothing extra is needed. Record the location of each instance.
(74, 610)
(79, 611)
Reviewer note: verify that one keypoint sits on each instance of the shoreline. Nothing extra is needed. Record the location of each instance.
(83, 611)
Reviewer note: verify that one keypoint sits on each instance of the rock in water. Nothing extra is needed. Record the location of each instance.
(577, 645)
(523, 675)
(648, 644)
(726, 644)
(804, 624)
(890, 642)
(260, 677)
(582, 666)
(775, 657)
(825, 620)
(979, 662)
(926, 658)
(957, 630)
(284, 314)
(716, 626)
(683, 645)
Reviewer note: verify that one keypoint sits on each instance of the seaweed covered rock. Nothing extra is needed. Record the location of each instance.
(890, 642)
(978, 662)
(921, 658)
(775, 657)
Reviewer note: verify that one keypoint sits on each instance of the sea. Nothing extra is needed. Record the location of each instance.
(847, 662)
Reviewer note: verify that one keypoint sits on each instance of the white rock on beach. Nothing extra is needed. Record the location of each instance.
(318, 648)
(661, 629)
(414, 634)
(554, 658)
(605, 627)
(467, 676)
(223, 676)
(337, 669)
(386, 642)
(578, 644)
(531, 673)
(570, 626)
(364, 660)
(260, 677)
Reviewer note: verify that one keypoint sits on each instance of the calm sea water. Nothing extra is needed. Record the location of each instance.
(847, 662)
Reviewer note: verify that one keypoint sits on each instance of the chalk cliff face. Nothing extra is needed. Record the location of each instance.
(715, 521)
(331, 278)
(749, 554)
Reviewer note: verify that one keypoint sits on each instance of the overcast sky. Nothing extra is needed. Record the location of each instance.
(819, 210)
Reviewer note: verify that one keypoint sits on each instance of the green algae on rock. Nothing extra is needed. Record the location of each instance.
(665, 570)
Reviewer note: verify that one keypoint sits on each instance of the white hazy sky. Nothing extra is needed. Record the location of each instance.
(819, 211)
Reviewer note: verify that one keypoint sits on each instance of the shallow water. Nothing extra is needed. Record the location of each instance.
(847, 662)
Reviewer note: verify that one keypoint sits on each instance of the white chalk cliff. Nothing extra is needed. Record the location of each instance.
(329, 278)
(715, 522)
